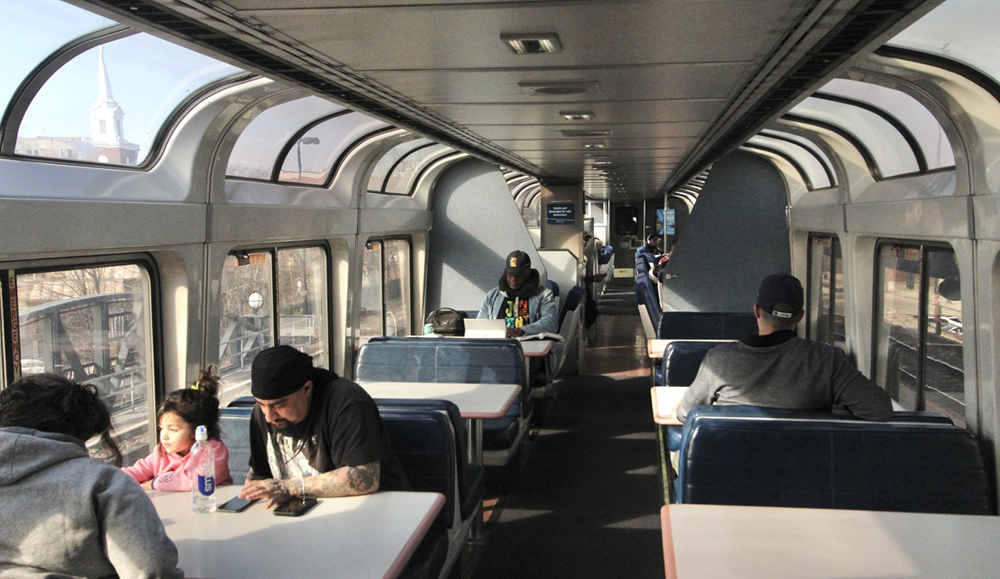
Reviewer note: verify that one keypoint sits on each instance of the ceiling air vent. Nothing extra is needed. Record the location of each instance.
(545, 43)
(588, 133)
(559, 88)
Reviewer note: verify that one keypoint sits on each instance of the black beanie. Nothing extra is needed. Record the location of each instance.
(278, 372)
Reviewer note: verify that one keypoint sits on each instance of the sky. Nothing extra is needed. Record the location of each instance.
(149, 77)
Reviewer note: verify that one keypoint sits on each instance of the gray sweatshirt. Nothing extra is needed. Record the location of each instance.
(793, 374)
(64, 514)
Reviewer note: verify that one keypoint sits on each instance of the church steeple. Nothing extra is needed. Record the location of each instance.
(106, 126)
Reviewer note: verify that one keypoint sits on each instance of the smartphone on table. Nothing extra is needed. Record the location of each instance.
(295, 506)
(235, 505)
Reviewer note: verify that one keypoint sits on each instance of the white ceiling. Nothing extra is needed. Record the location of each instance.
(667, 77)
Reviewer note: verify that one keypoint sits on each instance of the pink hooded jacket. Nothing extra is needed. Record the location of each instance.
(170, 472)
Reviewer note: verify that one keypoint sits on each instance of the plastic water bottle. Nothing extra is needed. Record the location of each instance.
(203, 468)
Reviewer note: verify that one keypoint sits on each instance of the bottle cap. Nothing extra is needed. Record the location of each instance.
(200, 433)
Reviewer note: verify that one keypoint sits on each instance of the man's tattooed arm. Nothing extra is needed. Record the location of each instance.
(345, 481)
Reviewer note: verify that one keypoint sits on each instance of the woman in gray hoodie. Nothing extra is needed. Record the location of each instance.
(63, 512)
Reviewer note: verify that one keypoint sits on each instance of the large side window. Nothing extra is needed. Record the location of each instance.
(826, 291)
(919, 336)
(92, 325)
(253, 289)
(385, 288)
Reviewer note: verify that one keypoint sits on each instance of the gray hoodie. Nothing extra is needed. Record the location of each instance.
(64, 514)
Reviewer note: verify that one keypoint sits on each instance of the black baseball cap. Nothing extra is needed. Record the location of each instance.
(780, 295)
(278, 372)
(518, 264)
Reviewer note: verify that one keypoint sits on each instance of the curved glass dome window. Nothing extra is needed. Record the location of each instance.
(403, 176)
(888, 149)
(389, 160)
(313, 154)
(812, 170)
(32, 31)
(961, 30)
(256, 151)
(806, 144)
(109, 104)
(920, 122)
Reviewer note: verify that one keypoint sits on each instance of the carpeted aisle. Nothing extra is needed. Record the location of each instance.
(586, 503)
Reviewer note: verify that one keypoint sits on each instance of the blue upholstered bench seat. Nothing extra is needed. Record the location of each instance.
(646, 294)
(234, 426)
(460, 360)
(918, 462)
(470, 476)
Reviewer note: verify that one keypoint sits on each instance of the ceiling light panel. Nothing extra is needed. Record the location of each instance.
(532, 43)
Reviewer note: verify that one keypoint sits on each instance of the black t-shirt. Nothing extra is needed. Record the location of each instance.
(343, 428)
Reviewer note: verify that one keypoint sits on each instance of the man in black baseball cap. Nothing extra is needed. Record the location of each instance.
(777, 369)
(313, 433)
(519, 298)
(780, 296)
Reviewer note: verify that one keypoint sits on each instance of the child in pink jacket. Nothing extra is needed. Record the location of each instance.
(166, 469)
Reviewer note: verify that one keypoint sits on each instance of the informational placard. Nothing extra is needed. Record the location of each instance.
(560, 214)
(666, 221)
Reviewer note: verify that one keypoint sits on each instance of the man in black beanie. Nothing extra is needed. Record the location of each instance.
(313, 433)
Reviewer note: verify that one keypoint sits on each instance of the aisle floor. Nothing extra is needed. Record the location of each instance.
(586, 500)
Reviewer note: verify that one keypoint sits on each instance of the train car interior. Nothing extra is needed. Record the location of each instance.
(185, 183)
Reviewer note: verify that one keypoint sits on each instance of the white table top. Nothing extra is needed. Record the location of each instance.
(473, 400)
(751, 542)
(665, 399)
(533, 348)
(368, 536)
(655, 347)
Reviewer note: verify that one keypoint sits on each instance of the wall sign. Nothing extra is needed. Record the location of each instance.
(560, 214)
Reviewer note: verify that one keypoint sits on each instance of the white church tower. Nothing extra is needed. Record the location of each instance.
(105, 115)
(107, 130)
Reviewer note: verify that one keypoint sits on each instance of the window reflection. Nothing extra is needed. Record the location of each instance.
(396, 281)
(826, 292)
(246, 307)
(371, 291)
(385, 289)
(919, 356)
(302, 301)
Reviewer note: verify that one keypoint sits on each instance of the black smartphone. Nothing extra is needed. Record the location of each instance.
(295, 507)
(235, 505)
